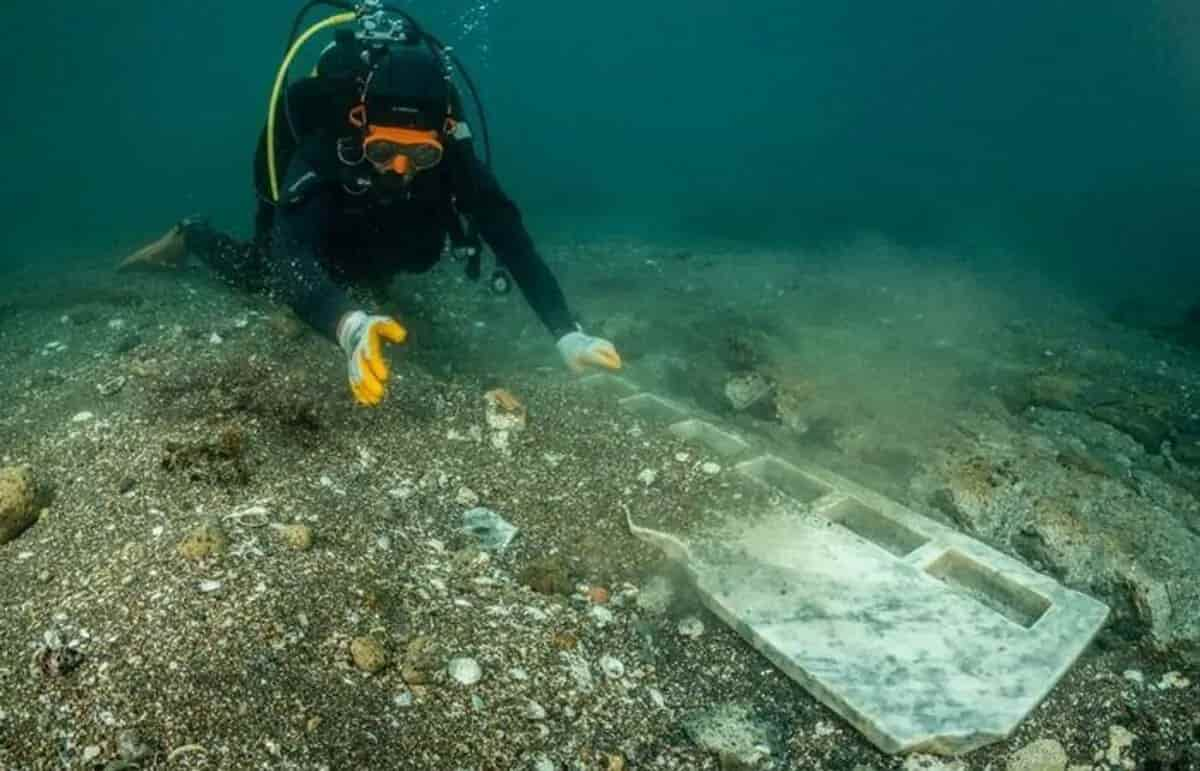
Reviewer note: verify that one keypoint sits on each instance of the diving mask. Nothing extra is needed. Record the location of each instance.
(400, 150)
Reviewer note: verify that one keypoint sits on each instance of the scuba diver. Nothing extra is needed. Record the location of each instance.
(378, 172)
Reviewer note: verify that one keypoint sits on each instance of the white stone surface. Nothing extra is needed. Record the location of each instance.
(920, 637)
(923, 638)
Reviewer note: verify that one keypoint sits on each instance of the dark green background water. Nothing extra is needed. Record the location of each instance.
(1065, 132)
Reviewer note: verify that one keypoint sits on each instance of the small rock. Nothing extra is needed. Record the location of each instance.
(612, 666)
(368, 654)
(1134, 676)
(548, 575)
(504, 412)
(744, 391)
(648, 476)
(82, 417)
(17, 496)
(466, 497)
(1042, 755)
(54, 659)
(111, 386)
(544, 763)
(493, 531)
(731, 733)
(208, 587)
(1173, 680)
(465, 671)
(205, 541)
(132, 748)
(601, 615)
(90, 753)
(711, 468)
(534, 711)
(691, 627)
(297, 537)
(1120, 739)
(286, 325)
(215, 339)
(655, 596)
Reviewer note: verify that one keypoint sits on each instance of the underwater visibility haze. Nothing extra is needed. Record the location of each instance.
(763, 385)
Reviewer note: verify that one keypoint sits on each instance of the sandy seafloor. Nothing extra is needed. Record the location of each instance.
(149, 405)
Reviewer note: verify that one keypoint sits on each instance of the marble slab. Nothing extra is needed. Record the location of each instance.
(922, 638)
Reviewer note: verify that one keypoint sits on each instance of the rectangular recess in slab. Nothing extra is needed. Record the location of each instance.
(609, 385)
(784, 476)
(720, 442)
(651, 407)
(884, 532)
(988, 587)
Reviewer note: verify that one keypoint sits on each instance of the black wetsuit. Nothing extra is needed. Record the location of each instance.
(322, 236)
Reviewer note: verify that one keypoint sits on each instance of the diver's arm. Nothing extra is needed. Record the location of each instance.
(297, 275)
(481, 198)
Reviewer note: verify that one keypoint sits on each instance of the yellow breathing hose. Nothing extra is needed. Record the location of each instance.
(332, 21)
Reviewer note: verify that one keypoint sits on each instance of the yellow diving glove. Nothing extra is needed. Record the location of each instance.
(579, 351)
(362, 337)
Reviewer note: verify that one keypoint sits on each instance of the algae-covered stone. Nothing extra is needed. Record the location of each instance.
(368, 654)
(297, 537)
(17, 494)
(548, 575)
(206, 540)
(1042, 755)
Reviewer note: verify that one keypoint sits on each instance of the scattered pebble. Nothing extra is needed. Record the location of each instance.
(208, 587)
(648, 476)
(296, 536)
(111, 386)
(1173, 680)
(612, 666)
(1042, 755)
(465, 671)
(711, 468)
(368, 654)
(1120, 739)
(132, 748)
(534, 711)
(656, 596)
(601, 615)
(691, 627)
(82, 417)
(215, 339)
(205, 541)
(548, 575)
(466, 497)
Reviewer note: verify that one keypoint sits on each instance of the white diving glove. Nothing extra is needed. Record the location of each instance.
(579, 351)
(362, 337)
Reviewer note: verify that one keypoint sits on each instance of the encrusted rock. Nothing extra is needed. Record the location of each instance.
(368, 654)
(548, 575)
(504, 411)
(296, 536)
(465, 671)
(205, 541)
(744, 391)
(1042, 755)
(17, 495)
